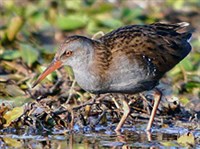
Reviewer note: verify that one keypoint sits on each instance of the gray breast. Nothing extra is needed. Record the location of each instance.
(126, 76)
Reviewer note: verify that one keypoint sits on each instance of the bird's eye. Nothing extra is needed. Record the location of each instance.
(68, 53)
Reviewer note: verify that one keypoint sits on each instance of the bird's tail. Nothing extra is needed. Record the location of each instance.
(179, 36)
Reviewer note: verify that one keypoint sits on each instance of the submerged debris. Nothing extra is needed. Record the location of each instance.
(77, 110)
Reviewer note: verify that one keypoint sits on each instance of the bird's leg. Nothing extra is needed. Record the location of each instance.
(157, 98)
(126, 110)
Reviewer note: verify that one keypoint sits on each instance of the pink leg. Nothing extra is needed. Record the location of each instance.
(157, 99)
(126, 110)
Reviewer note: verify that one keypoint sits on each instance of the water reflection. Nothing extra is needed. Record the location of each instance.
(126, 140)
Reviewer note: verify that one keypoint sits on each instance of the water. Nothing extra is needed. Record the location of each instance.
(96, 139)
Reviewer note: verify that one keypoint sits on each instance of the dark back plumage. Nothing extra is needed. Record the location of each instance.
(164, 45)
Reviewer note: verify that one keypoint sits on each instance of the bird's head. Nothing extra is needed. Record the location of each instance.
(75, 51)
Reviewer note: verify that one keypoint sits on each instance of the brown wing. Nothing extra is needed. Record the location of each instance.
(160, 46)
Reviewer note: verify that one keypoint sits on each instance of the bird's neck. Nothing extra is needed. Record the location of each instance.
(102, 58)
(87, 76)
(92, 69)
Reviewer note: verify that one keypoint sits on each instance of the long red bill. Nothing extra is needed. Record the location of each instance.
(55, 64)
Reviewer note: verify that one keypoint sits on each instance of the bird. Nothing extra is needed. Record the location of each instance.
(127, 60)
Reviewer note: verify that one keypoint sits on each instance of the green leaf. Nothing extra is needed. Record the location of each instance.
(187, 64)
(29, 54)
(38, 19)
(71, 22)
(74, 5)
(176, 4)
(192, 85)
(15, 101)
(10, 54)
(175, 71)
(129, 15)
(92, 27)
(31, 10)
(14, 27)
(169, 144)
(184, 100)
(101, 8)
(111, 23)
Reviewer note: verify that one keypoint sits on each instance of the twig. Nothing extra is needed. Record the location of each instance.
(71, 91)
(98, 33)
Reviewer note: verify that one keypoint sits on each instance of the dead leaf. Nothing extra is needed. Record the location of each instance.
(186, 140)
(12, 142)
(12, 115)
(14, 90)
